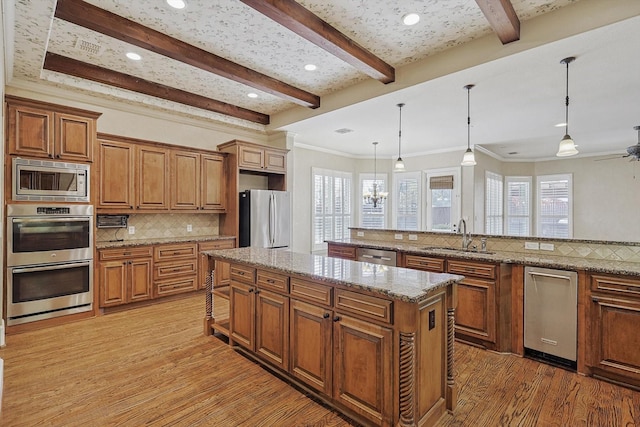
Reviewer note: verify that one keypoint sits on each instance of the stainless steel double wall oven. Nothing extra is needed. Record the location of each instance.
(49, 261)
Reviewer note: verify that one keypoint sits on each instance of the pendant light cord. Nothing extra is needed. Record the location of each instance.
(469, 116)
(566, 113)
(400, 132)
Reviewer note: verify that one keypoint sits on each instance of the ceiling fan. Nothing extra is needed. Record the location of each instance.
(633, 151)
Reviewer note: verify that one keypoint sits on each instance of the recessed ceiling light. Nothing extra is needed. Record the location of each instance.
(177, 4)
(410, 19)
(134, 56)
(252, 95)
(310, 67)
(560, 125)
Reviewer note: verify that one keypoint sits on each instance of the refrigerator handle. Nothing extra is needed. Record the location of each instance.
(271, 218)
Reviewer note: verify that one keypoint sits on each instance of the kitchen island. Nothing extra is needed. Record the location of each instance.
(374, 342)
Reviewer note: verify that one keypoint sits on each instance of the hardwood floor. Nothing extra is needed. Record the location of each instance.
(153, 366)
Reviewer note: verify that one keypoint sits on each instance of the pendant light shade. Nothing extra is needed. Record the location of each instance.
(469, 159)
(567, 146)
(399, 166)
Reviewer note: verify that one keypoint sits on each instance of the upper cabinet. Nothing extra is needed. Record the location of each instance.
(256, 157)
(38, 129)
(141, 176)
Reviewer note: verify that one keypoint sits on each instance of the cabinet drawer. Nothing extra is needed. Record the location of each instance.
(312, 292)
(424, 263)
(487, 271)
(364, 305)
(171, 269)
(242, 273)
(176, 286)
(171, 252)
(348, 252)
(617, 285)
(217, 244)
(129, 252)
(273, 281)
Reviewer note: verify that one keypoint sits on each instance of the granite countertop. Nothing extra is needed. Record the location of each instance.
(535, 260)
(398, 283)
(107, 244)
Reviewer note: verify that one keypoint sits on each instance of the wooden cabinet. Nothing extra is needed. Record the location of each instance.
(175, 268)
(260, 158)
(614, 315)
(222, 269)
(197, 181)
(124, 275)
(152, 178)
(419, 262)
(37, 129)
(339, 251)
(116, 176)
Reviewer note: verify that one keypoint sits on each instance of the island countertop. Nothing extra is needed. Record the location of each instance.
(397, 283)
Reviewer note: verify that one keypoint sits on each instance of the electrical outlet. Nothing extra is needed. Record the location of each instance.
(360, 234)
(531, 245)
(546, 246)
(413, 237)
(132, 229)
(189, 227)
(398, 236)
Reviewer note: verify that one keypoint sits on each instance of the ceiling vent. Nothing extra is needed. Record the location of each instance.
(87, 46)
(344, 130)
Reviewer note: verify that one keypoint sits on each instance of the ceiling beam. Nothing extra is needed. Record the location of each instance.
(502, 18)
(301, 21)
(62, 64)
(94, 18)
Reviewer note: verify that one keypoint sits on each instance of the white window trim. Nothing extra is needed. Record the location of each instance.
(385, 206)
(426, 195)
(498, 177)
(396, 181)
(507, 180)
(316, 248)
(555, 177)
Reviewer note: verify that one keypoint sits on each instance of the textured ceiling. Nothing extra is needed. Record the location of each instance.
(232, 30)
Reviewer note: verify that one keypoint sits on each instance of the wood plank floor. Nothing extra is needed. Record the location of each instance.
(153, 367)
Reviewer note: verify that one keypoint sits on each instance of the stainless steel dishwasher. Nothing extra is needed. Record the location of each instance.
(551, 315)
(376, 256)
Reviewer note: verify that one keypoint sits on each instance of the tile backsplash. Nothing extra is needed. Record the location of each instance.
(150, 226)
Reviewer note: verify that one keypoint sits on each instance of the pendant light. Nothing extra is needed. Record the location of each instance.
(375, 197)
(399, 163)
(567, 146)
(469, 159)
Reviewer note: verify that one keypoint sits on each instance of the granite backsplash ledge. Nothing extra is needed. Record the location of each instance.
(591, 249)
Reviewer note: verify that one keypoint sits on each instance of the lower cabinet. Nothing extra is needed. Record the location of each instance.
(614, 341)
(203, 262)
(125, 275)
(175, 268)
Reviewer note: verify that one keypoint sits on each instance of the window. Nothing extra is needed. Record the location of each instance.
(443, 195)
(518, 206)
(555, 206)
(373, 217)
(493, 204)
(331, 206)
(406, 200)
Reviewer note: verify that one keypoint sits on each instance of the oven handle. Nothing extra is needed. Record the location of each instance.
(48, 219)
(47, 267)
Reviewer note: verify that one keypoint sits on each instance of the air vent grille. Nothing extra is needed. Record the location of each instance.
(344, 130)
(89, 47)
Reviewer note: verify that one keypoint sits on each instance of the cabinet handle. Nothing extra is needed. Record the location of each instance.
(326, 316)
(257, 291)
(241, 273)
(51, 156)
(595, 299)
(251, 290)
(270, 281)
(57, 156)
(336, 318)
(633, 288)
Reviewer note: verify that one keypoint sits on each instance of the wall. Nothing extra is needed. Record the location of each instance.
(5, 62)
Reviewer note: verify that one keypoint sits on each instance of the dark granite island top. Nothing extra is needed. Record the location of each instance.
(394, 282)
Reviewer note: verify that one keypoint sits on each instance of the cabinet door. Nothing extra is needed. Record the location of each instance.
(311, 345)
(476, 312)
(242, 314)
(140, 288)
(250, 157)
(213, 183)
(338, 251)
(275, 161)
(30, 131)
(74, 137)
(185, 180)
(152, 183)
(272, 327)
(223, 274)
(363, 369)
(615, 339)
(116, 176)
(113, 283)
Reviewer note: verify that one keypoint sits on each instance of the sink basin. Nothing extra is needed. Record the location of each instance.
(457, 250)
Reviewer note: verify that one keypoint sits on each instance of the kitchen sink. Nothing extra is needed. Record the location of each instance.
(457, 250)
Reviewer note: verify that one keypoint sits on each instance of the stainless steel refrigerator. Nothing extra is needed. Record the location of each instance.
(265, 217)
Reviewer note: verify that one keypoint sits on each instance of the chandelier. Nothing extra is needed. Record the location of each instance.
(374, 196)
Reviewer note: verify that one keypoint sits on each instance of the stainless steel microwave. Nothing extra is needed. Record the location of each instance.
(43, 180)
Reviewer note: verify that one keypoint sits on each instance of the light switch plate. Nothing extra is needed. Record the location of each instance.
(413, 237)
(360, 234)
(132, 229)
(398, 236)
(546, 246)
(531, 245)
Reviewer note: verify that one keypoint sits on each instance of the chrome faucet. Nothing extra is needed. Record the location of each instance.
(462, 228)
